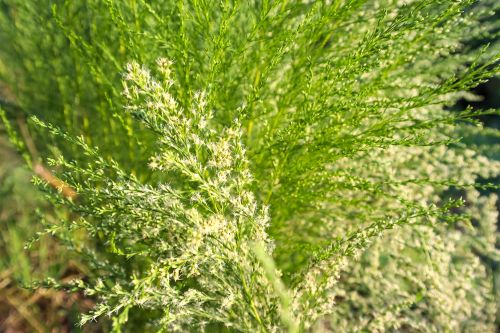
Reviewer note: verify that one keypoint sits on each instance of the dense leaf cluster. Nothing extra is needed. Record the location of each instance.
(262, 166)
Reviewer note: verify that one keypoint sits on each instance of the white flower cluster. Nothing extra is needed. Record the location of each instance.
(198, 239)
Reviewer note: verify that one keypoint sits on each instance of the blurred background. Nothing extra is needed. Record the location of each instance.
(23, 310)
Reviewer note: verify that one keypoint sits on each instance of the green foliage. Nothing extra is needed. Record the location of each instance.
(304, 172)
(20, 309)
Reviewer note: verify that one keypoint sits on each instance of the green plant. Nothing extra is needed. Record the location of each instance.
(22, 310)
(283, 139)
